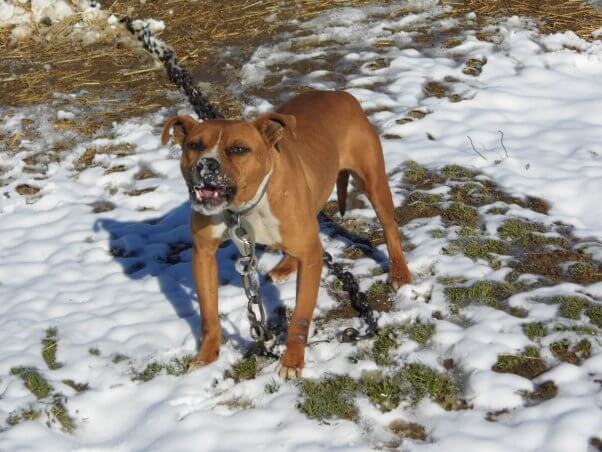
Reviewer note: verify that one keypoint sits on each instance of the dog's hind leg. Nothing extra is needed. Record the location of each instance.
(369, 167)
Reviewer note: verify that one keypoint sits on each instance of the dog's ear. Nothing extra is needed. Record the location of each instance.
(181, 126)
(273, 125)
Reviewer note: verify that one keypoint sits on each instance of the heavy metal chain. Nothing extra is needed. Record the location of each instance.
(241, 233)
(358, 301)
(176, 73)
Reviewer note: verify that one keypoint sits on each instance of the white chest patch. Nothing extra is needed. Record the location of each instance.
(265, 225)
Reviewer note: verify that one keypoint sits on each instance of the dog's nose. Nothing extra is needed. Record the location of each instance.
(208, 164)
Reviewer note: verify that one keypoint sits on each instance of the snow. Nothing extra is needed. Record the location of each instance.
(24, 15)
(102, 279)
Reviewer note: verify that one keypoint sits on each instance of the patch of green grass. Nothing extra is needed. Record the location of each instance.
(79, 387)
(595, 315)
(528, 233)
(471, 193)
(466, 231)
(179, 365)
(329, 398)
(583, 348)
(414, 173)
(118, 357)
(563, 350)
(94, 351)
(570, 307)
(50, 345)
(534, 330)
(60, 413)
(457, 172)
(354, 252)
(424, 381)
(544, 391)
(385, 392)
(583, 271)
(423, 197)
(33, 380)
(176, 367)
(516, 229)
(24, 415)
(483, 248)
(379, 293)
(579, 329)
(476, 248)
(245, 369)
(378, 289)
(418, 331)
(333, 397)
(149, 372)
(527, 364)
(461, 214)
(498, 211)
(487, 292)
(384, 343)
(437, 233)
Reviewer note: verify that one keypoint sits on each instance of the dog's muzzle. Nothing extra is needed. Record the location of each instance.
(210, 187)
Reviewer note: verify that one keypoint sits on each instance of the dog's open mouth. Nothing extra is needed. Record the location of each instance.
(210, 195)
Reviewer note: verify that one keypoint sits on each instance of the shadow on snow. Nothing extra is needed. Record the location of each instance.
(161, 248)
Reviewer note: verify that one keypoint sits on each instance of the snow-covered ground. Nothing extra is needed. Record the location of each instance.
(101, 253)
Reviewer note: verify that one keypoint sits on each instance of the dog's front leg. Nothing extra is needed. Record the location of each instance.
(204, 267)
(308, 283)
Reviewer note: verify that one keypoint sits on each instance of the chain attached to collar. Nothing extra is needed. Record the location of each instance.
(241, 233)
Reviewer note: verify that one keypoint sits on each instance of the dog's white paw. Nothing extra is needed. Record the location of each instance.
(289, 373)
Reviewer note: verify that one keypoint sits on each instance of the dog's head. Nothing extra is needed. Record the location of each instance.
(227, 163)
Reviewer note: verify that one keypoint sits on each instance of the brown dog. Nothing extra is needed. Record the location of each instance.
(280, 170)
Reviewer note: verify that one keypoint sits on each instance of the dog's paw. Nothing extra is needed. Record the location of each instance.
(399, 274)
(289, 373)
(203, 358)
(399, 280)
(291, 364)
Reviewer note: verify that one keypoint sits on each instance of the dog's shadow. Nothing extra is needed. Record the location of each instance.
(162, 248)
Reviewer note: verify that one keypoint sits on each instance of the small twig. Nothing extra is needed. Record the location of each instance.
(142, 71)
(474, 148)
(502, 141)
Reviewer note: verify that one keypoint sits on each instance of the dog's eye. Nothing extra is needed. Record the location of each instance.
(237, 150)
(196, 146)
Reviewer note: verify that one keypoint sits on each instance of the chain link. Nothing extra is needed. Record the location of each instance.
(358, 301)
(241, 233)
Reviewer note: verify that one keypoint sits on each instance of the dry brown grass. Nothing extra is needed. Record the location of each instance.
(115, 67)
(552, 15)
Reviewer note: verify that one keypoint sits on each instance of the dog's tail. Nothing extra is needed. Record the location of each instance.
(342, 182)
